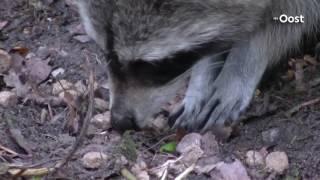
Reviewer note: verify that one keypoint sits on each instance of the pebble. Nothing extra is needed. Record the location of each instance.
(57, 72)
(43, 52)
(82, 38)
(101, 105)
(93, 160)
(189, 142)
(102, 121)
(277, 162)
(8, 98)
(61, 86)
(254, 158)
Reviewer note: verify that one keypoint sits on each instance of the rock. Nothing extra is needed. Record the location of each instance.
(43, 52)
(188, 142)
(190, 148)
(206, 164)
(254, 158)
(57, 72)
(30, 55)
(93, 160)
(5, 61)
(122, 161)
(230, 171)
(140, 170)
(102, 121)
(277, 162)
(271, 136)
(82, 38)
(101, 105)
(37, 70)
(192, 156)
(209, 144)
(8, 98)
(80, 87)
(61, 86)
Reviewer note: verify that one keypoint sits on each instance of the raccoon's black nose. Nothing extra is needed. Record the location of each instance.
(122, 122)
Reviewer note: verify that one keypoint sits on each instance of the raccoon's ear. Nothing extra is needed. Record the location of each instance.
(96, 16)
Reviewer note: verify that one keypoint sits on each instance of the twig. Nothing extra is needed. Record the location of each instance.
(86, 120)
(127, 174)
(298, 107)
(9, 150)
(165, 174)
(186, 172)
(160, 141)
(29, 172)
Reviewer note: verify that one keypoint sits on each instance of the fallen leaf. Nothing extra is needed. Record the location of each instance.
(37, 70)
(169, 147)
(23, 51)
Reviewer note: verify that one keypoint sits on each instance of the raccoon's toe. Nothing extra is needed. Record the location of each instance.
(224, 106)
(180, 118)
(185, 116)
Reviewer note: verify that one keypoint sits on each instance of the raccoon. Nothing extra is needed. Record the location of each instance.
(225, 46)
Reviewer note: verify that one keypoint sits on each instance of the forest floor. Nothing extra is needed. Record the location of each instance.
(40, 121)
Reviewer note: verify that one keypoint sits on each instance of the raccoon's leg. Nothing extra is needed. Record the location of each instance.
(244, 67)
(234, 87)
(202, 75)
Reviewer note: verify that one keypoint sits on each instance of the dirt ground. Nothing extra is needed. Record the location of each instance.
(52, 25)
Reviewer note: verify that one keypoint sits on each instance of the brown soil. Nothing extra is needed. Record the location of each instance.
(49, 26)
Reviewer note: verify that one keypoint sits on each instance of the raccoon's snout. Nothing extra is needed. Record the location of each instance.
(123, 121)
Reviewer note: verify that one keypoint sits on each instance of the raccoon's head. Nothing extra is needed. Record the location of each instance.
(150, 44)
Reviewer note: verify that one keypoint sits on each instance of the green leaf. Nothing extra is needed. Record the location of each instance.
(169, 147)
(36, 178)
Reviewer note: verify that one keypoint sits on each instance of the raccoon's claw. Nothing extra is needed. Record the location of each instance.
(186, 115)
(225, 105)
(221, 108)
(175, 115)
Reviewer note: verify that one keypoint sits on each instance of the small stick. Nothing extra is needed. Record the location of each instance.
(9, 150)
(298, 107)
(86, 120)
(186, 172)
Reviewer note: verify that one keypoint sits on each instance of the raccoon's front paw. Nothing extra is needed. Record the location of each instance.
(224, 105)
(187, 113)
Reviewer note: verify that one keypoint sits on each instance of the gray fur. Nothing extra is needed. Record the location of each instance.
(153, 30)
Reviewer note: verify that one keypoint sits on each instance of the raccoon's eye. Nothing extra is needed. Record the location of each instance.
(162, 71)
